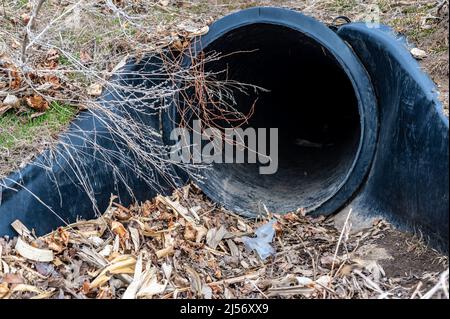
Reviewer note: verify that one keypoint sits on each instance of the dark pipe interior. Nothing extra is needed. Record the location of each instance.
(310, 99)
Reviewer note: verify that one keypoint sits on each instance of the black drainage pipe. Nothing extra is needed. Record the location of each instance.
(319, 97)
(356, 92)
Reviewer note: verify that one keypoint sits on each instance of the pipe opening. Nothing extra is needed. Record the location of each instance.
(310, 100)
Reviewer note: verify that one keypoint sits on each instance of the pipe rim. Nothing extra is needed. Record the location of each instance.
(344, 56)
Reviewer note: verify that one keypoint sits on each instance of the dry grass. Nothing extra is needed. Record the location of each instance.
(184, 246)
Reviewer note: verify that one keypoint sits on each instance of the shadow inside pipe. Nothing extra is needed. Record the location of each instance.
(311, 101)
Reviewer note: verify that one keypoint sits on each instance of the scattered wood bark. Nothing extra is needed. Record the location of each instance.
(184, 246)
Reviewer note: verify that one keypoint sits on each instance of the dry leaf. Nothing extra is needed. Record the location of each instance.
(86, 287)
(63, 235)
(15, 44)
(52, 54)
(151, 289)
(201, 31)
(58, 240)
(95, 89)
(37, 102)
(207, 292)
(52, 81)
(12, 279)
(228, 294)
(96, 241)
(193, 29)
(45, 294)
(278, 228)
(177, 208)
(291, 217)
(165, 252)
(149, 284)
(85, 57)
(26, 288)
(132, 289)
(144, 284)
(50, 64)
(106, 251)
(56, 247)
(234, 251)
(167, 270)
(179, 45)
(16, 79)
(104, 293)
(201, 232)
(196, 283)
(4, 109)
(119, 230)
(4, 290)
(243, 226)
(215, 236)
(11, 100)
(190, 232)
(25, 17)
(323, 281)
(120, 265)
(120, 65)
(135, 238)
(45, 269)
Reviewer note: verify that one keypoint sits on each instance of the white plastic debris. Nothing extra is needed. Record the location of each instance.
(261, 243)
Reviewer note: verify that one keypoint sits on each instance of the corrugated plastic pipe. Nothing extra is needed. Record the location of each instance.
(320, 98)
(360, 126)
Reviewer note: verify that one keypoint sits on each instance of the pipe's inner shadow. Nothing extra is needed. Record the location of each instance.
(311, 102)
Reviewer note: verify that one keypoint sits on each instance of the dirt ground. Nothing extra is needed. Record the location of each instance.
(184, 246)
(409, 255)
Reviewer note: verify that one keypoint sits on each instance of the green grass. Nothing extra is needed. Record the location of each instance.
(15, 129)
(22, 3)
(63, 60)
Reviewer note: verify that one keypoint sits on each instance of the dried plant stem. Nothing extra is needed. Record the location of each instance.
(341, 236)
(28, 28)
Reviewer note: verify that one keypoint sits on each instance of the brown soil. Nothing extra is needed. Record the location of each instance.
(411, 258)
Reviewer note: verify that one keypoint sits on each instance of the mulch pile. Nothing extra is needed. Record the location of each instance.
(184, 246)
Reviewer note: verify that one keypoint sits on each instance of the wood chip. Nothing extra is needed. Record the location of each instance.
(165, 252)
(215, 236)
(234, 250)
(120, 265)
(21, 229)
(29, 252)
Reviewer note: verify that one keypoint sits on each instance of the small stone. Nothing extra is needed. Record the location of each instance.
(418, 53)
